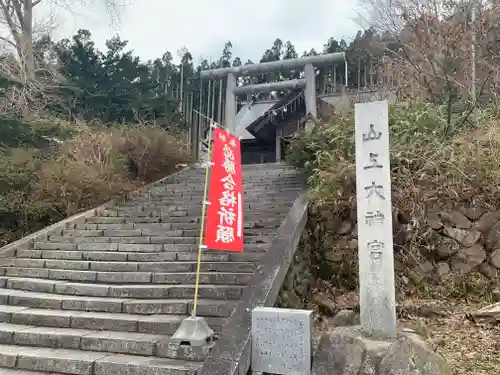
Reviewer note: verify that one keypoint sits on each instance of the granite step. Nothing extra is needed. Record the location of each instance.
(116, 256)
(13, 371)
(89, 340)
(77, 362)
(150, 232)
(137, 291)
(106, 220)
(175, 222)
(158, 324)
(131, 277)
(147, 243)
(206, 307)
(103, 295)
(167, 215)
(162, 267)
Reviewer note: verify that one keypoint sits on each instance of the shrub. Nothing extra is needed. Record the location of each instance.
(433, 167)
(96, 165)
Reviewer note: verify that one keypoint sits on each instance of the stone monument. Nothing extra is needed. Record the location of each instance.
(281, 341)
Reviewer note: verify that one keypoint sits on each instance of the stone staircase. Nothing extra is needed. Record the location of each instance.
(102, 295)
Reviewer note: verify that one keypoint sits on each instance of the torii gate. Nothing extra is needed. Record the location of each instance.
(232, 73)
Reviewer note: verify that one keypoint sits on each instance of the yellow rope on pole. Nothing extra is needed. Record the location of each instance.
(202, 221)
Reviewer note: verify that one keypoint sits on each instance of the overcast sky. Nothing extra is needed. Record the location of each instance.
(154, 26)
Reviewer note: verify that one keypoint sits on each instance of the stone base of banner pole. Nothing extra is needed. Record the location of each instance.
(192, 340)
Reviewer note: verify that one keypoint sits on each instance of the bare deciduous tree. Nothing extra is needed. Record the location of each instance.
(435, 44)
(33, 82)
(18, 16)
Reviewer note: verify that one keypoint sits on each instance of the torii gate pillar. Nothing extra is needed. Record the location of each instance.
(310, 90)
(230, 110)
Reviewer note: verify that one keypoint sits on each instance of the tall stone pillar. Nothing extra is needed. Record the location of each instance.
(310, 90)
(230, 112)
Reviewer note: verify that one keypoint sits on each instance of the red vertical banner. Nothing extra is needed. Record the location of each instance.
(224, 225)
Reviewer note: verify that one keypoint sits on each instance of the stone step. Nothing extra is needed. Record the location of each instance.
(105, 220)
(166, 215)
(146, 243)
(137, 291)
(76, 362)
(206, 307)
(89, 340)
(129, 277)
(159, 324)
(160, 228)
(198, 197)
(150, 232)
(248, 191)
(165, 206)
(13, 371)
(249, 218)
(116, 256)
(132, 266)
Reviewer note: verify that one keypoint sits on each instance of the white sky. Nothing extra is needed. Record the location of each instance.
(154, 26)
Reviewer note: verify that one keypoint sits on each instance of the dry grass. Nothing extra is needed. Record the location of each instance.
(435, 166)
(469, 348)
(95, 166)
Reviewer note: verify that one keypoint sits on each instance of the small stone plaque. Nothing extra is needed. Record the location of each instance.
(281, 341)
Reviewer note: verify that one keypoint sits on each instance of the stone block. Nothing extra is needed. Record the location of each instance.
(23, 253)
(54, 246)
(281, 340)
(140, 291)
(144, 248)
(166, 267)
(105, 219)
(29, 263)
(169, 349)
(159, 324)
(123, 232)
(67, 264)
(124, 277)
(124, 364)
(114, 266)
(104, 256)
(65, 361)
(131, 240)
(82, 233)
(104, 322)
(348, 351)
(61, 254)
(6, 312)
(7, 332)
(228, 267)
(33, 285)
(193, 256)
(39, 273)
(120, 342)
(89, 246)
(35, 300)
(214, 308)
(77, 289)
(122, 226)
(149, 307)
(111, 305)
(50, 337)
(38, 317)
(71, 275)
(152, 257)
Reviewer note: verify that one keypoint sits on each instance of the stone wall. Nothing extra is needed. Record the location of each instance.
(441, 244)
(296, 290)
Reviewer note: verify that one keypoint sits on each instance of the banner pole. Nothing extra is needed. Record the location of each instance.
(202, 220)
